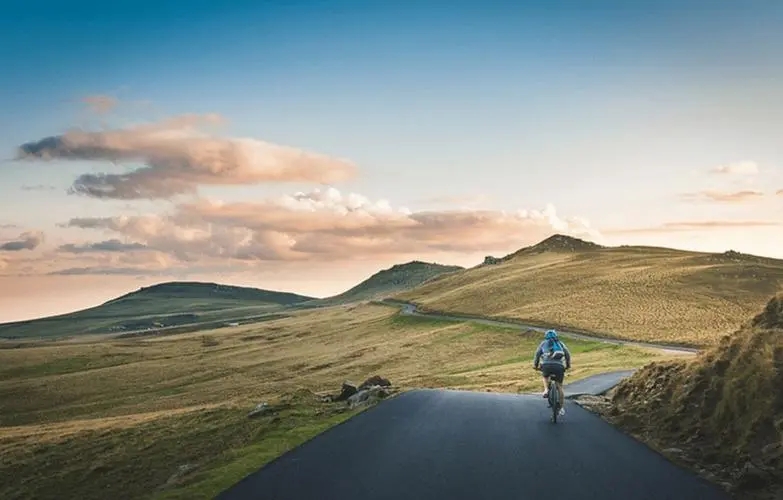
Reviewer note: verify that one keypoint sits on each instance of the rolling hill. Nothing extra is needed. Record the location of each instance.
(164, 305)
(641, 293)
(390, 281)
(173, 305)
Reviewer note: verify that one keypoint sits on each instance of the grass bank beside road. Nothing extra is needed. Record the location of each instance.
(720, 413)
(167, 417)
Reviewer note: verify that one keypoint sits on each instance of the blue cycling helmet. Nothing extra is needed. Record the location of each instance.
(551, 335)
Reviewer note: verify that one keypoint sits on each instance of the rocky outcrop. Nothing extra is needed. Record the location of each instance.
(375, 380)
(368, 396)
(490, 260)
(370, 391)
(347, 391)
(260, 410)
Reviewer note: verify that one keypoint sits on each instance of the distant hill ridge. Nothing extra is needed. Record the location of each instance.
(398, 278)
(207, 290)
(561, 280)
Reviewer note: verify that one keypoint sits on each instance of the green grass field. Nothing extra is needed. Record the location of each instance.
(119, 418)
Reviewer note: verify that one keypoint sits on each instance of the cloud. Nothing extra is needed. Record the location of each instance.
(326, 225)
(113, 271)
(739, 168)
(26, 241)
(177, 158)
(780, 192)
(138, 265)
(113, 245)
(671, 227)
(39, 187)
(100, 104)
(8, 226)
(724, 196)
(107, 257)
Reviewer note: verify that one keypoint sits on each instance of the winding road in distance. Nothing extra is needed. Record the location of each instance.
(408, 309)
(461, 445)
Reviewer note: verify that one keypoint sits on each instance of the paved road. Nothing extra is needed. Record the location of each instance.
(411, 310)
(455, 445)
(595, 385)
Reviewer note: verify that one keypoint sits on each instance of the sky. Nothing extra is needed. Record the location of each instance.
(304, 145)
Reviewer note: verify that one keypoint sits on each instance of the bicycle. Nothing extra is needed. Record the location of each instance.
(553, 396)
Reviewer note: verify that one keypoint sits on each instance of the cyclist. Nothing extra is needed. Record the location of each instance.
(555, 359)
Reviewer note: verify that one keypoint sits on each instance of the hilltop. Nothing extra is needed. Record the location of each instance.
(555, 243)
(208, 291)
(634, 292)
(722, 410)
(393, 280)
(164, 305)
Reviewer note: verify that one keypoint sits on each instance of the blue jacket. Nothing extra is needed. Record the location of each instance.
(542, 355)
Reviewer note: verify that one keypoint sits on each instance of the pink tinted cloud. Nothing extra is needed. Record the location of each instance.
(325, 225)
(724, 196)
(178, 157)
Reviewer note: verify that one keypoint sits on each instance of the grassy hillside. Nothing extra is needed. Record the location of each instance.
(171, 305)
(639, 293)
(723, 410)
(390, 281)
(158, 306)
(118, 418)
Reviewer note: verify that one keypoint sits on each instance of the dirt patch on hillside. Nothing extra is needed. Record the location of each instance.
(720, 414)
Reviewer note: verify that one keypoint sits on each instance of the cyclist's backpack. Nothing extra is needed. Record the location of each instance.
(556, 350)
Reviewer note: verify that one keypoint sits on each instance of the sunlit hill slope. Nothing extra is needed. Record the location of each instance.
(393, 280)
(643, 293)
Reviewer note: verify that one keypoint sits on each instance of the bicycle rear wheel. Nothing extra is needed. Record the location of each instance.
(554, 399)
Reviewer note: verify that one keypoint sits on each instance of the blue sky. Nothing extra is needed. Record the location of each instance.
(608, 110)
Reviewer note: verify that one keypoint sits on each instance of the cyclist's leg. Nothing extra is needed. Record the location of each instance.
(545, 373)
(559, 379)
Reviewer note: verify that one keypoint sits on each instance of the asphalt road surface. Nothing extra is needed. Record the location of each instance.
(597, 384)
(434, 444)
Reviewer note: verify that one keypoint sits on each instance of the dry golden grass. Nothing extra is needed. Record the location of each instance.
(723, 408)
(116, 418)
(636, 293)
